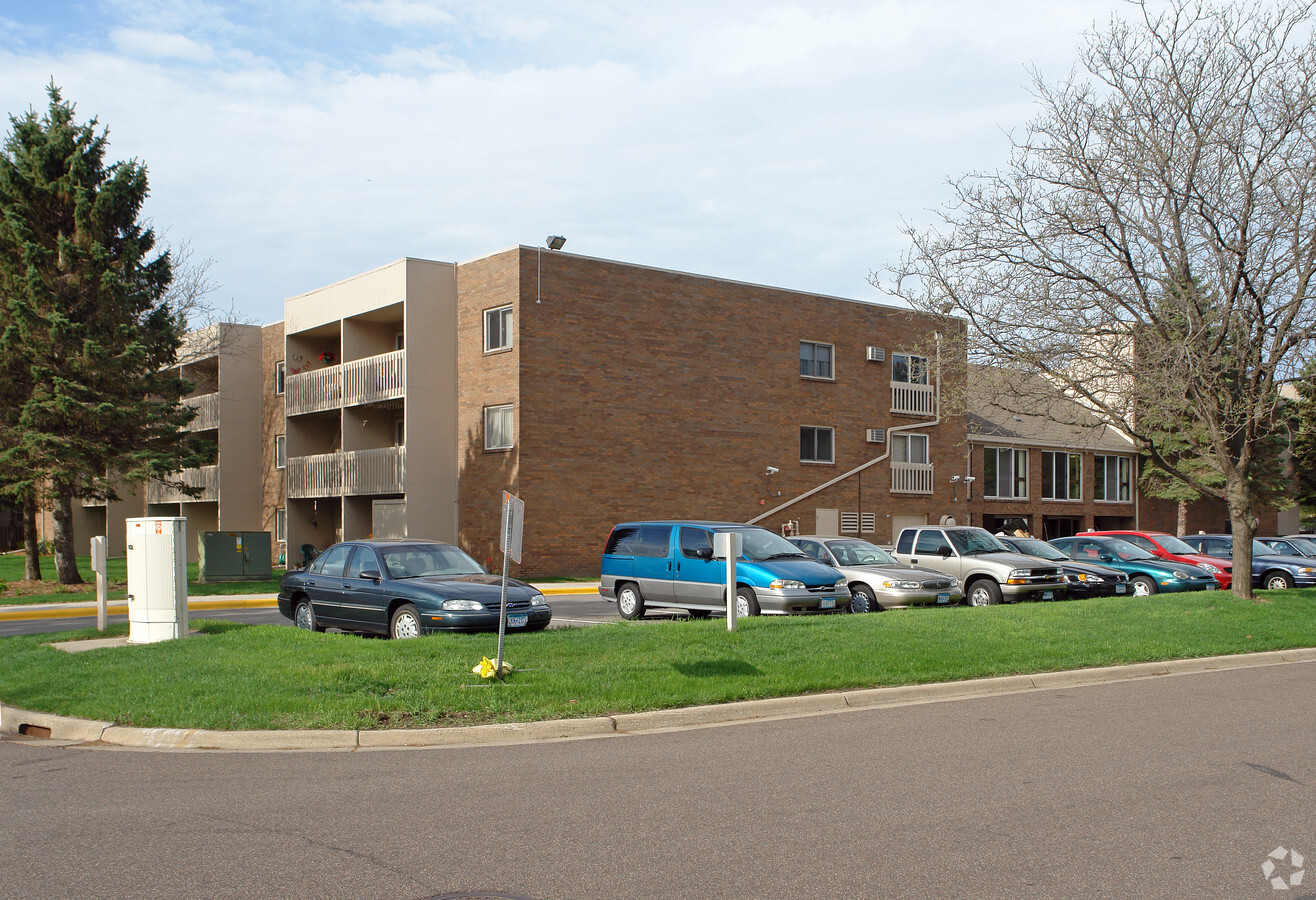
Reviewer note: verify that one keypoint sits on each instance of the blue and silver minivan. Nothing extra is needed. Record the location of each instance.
(671, 564)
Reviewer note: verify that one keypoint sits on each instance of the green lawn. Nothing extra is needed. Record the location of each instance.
(235, 676)
(11, 570)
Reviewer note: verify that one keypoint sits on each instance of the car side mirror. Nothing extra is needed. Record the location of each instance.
(944, 552)
(372, 574)
(1106, 557)
(704, 552)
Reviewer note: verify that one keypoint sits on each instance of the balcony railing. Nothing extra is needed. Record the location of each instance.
(206, 478)
(911, 478)
(913, 399)
(375, 378)
(354, 473)
(207, 412)
(369, 380)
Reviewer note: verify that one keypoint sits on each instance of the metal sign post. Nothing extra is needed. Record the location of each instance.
(98, 566)
(729, 545)
(513, 526)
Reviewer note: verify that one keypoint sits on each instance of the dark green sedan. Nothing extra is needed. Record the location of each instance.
(1147, 574)
(405, 589)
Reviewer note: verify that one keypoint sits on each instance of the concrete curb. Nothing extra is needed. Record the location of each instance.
(15, 721)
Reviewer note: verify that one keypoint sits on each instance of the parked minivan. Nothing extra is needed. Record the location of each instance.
(671, 564)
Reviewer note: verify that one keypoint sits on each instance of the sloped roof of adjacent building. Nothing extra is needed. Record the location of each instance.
(1012, 408)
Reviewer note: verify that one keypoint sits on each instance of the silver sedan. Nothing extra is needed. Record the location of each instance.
(877, 580)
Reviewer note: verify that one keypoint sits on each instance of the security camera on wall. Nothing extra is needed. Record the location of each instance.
(773, 470)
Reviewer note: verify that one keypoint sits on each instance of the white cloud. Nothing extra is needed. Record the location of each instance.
(159, 45)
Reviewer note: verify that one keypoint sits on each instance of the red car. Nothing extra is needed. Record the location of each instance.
(1167, 546)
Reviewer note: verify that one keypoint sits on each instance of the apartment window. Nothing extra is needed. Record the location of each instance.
(399, 432)
(281, 525)
(497, 329)
(909, 369)
(815, 360)
(280, 376)
(909, 448)
(399, 341)
(1005, 473)
(816, 444)
(1061, 476)
(280, 451)
(498, 427)
(1114, 478)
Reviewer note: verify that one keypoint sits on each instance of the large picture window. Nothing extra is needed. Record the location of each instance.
(909, 369)
(1113, 476)
(1062, 476)
(497, 329)
(498, 427)
(1005, 473)
(816, 444)
(815, 360)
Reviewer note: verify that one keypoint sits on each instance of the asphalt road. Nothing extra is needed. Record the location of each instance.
(1178, 787)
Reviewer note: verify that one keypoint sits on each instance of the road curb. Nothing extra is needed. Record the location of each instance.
(33, 724)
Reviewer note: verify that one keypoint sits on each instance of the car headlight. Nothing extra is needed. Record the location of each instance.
(1017, 576)
(841, 584)
(901, 585)
(1085, 578)
(462, 604)
(1306, 570)
(786, 584)
(1214, 570)
(1182, 576)
(538, 600)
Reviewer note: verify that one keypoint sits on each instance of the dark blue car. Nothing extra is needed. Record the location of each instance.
(1269, 570)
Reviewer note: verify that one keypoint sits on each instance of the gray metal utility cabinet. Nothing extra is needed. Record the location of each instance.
(233, 556)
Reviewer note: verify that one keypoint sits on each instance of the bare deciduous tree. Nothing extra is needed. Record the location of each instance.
(1149, 249)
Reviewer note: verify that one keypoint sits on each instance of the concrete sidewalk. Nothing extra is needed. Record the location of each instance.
(84, 732)
(82, 608)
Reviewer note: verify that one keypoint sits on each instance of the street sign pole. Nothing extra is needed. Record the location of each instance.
(513, 524)
(729, 545)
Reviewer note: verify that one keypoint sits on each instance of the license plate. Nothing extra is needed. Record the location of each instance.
(1119, 588)
(1048, 595)
(943, 598)
(518, 621)
(827, 603)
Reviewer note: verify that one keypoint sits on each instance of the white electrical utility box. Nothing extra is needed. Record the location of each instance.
(157, 579)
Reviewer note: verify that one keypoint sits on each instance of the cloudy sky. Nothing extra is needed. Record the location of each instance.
(295, 143)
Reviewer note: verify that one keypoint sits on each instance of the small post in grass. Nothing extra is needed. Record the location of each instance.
(98, 566)
(513, 525)
(729, 545)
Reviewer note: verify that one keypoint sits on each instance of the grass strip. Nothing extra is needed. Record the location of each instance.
(233, 676)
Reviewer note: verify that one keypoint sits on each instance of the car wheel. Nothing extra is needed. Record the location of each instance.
(629, 602)
(404, 623)
(862, 600)
(303, 616)
(983, 592)
(1142, 586)
(1278, 581)
(746, 603)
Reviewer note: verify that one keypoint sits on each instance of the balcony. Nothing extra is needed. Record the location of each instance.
(206, 478)
(207, 412)
(911, 478)
(350, 474)
(369, 380)
(913, 399)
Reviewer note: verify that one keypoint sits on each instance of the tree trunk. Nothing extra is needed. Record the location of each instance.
(1181, 524)
(31, 543)
(66, 559)
(1244, 527)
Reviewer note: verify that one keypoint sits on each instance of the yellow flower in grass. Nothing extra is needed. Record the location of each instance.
(487, 669)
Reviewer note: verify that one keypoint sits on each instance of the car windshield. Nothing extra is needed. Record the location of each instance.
(415, 560)
(1172, 544)
(1034, 547)
(860, 553)
(975, 540)
(760, 545)
(1125, 550)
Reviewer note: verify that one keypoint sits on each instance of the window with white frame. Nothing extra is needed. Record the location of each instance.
(497, 329)
(1062, 476)
(909, 448)
(1113, 477)
(281, 525)
(280, 451)
(498, 427)
(816, 360)
(909, 369)
(816, 444)
(280, 376)
(1004, 473)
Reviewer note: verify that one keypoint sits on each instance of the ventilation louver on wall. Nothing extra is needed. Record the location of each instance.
(877, 435)
(876, 354)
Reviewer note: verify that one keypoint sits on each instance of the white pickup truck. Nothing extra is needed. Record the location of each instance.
(989, 571)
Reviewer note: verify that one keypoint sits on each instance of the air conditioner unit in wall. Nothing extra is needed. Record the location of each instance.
(876, 354)
(877, 435)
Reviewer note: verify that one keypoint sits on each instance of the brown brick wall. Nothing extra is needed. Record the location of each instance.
(272, 423)
(652, 394)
